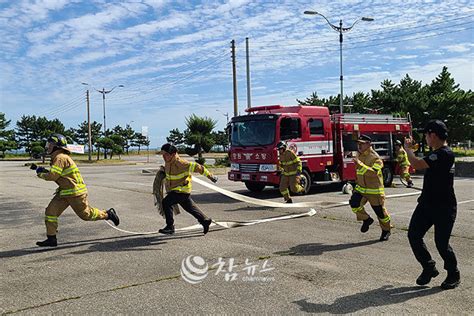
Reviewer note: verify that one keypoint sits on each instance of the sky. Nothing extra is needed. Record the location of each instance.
(173, 58)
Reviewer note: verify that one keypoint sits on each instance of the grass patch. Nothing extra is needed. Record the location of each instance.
(459, 152)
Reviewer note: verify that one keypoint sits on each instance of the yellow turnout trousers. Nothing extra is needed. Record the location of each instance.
(357, 202)
(291, 182)
(79, 204)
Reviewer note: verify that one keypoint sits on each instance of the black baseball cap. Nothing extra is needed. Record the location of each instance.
(437, 127)
(364, 139)
(169, 148)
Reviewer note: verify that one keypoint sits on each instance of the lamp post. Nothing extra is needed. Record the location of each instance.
(225, 114)
(104, 92)
(340, 29)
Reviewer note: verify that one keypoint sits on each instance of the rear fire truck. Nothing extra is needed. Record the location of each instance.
(325, 143)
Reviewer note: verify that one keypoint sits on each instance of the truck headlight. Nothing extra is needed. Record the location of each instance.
(234, 167)
(268, 168)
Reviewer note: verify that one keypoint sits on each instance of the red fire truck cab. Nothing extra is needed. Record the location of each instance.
(325, 143)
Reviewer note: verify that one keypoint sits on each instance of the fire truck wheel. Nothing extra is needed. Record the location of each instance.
(308, 181)
(387, 176)
(255, 186)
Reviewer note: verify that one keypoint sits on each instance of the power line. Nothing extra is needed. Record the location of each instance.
(354, 46)
(175, 71)
(192, 74)
(375, 30)
(64, 105)
(369, 40)
(171, 84)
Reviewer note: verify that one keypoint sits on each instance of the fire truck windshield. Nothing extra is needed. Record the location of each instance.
(253, 133)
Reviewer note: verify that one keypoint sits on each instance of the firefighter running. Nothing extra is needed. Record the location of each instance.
(291, 168)
(369, 187)
(403, 163)
(72, 190)
(178, 184)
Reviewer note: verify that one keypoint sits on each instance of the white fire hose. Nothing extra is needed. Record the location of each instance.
(158, 185)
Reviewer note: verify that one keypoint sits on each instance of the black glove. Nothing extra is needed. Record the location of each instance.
(40, 170)
(213, 179)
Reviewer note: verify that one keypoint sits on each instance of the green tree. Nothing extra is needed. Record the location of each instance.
(199, 135)
(7, 137)
(36, 129)
(452, 105)
(24, 132)
(117, 146)
(221, 138)
(312, 100)
(176, 137)
(139, 140)
(106, 143)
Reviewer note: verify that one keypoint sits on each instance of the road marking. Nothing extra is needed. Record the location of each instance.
(468, 201)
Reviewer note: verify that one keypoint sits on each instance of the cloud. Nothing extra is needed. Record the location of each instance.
(459, 48)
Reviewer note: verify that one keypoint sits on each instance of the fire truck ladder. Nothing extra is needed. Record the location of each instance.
(355, 118)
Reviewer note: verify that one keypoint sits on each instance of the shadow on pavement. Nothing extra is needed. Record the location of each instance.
(124, 243)
(385, 295)
(316, 249)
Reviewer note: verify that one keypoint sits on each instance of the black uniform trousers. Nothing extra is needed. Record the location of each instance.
(183, 199)
(442, 218)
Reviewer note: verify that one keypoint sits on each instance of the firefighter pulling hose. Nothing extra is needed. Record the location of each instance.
(71, 190)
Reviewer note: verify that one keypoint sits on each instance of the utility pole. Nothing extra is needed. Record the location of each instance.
(89, 132)
(234, 77)
(249, 100)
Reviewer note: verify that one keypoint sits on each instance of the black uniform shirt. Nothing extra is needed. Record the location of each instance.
(438, 183)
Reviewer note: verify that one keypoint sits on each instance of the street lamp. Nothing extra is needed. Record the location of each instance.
(225, 114)
(104, 92)
(341, 30)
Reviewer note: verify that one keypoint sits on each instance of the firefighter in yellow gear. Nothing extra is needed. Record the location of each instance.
(403, 163)
(291, 168)
(369, 187)
(72, 190)
(178, 184)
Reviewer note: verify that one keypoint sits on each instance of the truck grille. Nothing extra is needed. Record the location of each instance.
(249, 167)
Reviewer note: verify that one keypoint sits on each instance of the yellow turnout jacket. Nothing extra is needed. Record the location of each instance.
(66, 175)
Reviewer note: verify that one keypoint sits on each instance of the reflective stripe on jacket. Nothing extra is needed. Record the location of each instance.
(290, 163)
(66, 174)
(179, 174)
(369, 173)
(402, 158)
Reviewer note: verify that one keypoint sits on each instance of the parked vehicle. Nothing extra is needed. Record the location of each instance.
(325, 143)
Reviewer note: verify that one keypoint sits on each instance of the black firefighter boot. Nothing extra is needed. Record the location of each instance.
(365, 224)
(426, 275)
(50, 242)
(112, 216)
(167, 230)
(205, 224)
(452, 280)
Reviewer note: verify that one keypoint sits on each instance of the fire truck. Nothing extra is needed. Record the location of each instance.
(325, 143)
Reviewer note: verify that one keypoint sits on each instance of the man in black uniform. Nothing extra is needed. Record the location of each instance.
(436, 206)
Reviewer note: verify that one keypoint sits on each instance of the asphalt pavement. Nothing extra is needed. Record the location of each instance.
(319, 264)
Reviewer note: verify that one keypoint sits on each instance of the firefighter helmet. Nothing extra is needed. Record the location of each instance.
(58, 140)
(281, 145)
(54, 142)
(398, 143)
